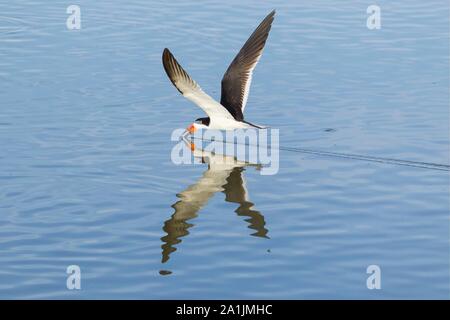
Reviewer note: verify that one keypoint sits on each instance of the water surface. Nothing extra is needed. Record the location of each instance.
(86, 176)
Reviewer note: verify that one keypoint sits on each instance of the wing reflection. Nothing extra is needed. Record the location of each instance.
(235, 191)
(224, 174)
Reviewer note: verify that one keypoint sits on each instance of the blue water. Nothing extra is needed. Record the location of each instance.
(86, 176)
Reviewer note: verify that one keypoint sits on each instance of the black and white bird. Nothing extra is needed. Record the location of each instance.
(229, 113)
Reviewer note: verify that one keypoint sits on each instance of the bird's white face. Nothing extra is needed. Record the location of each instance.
(193, 127)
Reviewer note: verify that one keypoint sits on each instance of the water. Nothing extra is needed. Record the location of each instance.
(86, 177)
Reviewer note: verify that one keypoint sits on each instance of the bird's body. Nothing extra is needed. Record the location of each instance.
(229, 113)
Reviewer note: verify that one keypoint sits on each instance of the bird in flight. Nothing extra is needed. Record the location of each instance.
(229, 113)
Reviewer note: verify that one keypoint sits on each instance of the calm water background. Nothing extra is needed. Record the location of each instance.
(86, 176)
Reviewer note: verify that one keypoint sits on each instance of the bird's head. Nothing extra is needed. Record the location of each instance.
(197, 125)
(192, 128)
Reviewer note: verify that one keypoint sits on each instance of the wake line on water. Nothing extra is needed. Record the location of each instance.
(393, 161)
(401, 162)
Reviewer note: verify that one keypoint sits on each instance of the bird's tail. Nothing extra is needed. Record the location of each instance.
(255, 125)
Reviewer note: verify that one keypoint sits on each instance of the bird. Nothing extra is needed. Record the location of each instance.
(235, 85)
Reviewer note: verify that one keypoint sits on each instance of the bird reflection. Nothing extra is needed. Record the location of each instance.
(224, 174)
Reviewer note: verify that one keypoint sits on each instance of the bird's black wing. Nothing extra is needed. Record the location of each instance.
(237, 78)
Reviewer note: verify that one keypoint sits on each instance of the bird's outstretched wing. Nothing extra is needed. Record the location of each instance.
(237, 78)
(190, 89)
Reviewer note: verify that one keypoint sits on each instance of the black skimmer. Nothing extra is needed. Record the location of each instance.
(229, 113)
(224, 174)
